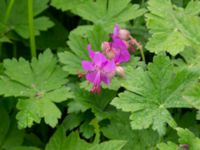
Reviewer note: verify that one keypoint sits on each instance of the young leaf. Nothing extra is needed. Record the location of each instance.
(73, 142)
(150, 93)
(172, 28)
(39, 85)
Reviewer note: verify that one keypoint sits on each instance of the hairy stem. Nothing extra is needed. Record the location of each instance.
(31, 28)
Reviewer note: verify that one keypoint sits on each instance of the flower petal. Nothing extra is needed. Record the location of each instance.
(116, 31)
(94, 77)
(109, 67)
(119, 44)
(87, 66)
(121, 50)
(105, 79)
(99, 59)
(91, 52)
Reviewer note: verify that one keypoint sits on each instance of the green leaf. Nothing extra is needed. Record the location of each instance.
(87, 130)
(73, 120)
(57, 140)
(120, 129)
(109, 145)
(109, 12)
(149, 94)
(192, 96)
(25, 148)
(186, 137)
(10, 135)
(73, 142)
(55, 37)
(40, 24)
(78, 46)
(193, 7)
(167, 146)
(97, 103)
(18, 19)
(4, 125)
(39, 85)
(172, 28)
(65, 5)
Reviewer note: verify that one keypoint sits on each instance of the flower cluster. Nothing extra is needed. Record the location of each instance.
(105, 65)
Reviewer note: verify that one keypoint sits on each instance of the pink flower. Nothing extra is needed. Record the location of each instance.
(121, 51)
(117, 49)
(98, 70)
(122, 34)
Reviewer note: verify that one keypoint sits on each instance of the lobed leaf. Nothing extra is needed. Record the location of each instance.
(150, 93)
(73, 142)
(39, 85)
(172, 28)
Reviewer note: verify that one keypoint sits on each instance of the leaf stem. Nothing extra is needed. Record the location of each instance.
(31, 28)
(8, 11)
(5, 20)
(133, 42)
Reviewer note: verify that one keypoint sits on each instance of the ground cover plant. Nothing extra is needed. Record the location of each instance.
(99, 75)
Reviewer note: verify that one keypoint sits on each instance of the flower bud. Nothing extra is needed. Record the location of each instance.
(107, 50)
(105, 46)
(110, 54)
(120, 71)
(124, 34)
(184, 146)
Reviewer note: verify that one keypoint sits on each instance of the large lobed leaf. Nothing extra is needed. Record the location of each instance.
(38, 85)
(172, 28)
(150, 93)
(106, 12)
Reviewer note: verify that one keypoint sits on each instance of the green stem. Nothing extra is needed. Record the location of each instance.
(31, 28)
(94, 122)
(8, 10)
(142, 53)
(142, 2)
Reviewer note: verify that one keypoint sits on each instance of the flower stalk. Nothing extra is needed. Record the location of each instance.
(31, 28)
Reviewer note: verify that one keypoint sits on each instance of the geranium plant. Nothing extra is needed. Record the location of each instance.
(100, 75)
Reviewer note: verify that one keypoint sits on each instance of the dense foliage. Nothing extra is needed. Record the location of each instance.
(99, 74)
